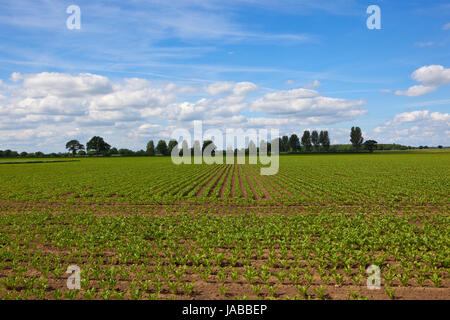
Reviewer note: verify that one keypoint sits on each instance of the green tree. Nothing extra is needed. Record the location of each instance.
(74, 146)
(151, 148)
(172, 145)
(321, 137)
(207, 143)
(184, 148)
(294, 142)
(196, 149)
(284, 144)
(356, 138)
(126, 152)
(113, 151)
(140, 153)
(370, 145)
(306, 140)
(324, 140)
(98, 145)
(161, 147)
(279, 142)
(315, 140)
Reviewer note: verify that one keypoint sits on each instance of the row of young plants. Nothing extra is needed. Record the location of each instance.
(246, 254)
(384, 179)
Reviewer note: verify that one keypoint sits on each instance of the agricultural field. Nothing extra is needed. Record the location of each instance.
(144, 228)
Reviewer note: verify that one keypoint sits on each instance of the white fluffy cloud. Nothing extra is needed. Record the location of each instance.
(227, 87)
(416, 91)
(313, 85)
(15, 77)
(219, 88)
(420, 126)
(430, 76)
(308, 104)
(65, 85)
(145, 130)
(43, 110)
(229, 105)
(412, 116)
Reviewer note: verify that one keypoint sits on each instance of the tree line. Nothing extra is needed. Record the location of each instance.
(309, 142)
(97, 146)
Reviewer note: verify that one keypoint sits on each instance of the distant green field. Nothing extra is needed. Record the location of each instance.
(364, 179)
(144, 228)
(24, 161)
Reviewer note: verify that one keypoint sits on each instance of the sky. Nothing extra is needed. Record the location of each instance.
(138, 70)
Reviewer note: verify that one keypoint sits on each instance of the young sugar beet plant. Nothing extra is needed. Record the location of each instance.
(184, 241)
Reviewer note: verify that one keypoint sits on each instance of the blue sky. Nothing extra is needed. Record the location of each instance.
(137, 70)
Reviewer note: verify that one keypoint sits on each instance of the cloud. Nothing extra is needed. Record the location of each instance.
(244, 88)
(432, 75)
(313, 85)
(431, 78)
(206, 108)
(308, 104)
(289, 82)
(446, 26)
(65, 85)
(15, 77)
(239, 88)
(219, 88)
(410, 117)
(416, 91)
(163, 20)
(145, 130)
(138, 94)
(88, 99)
(46, 109)
(172, 87)
(415, 127)
(199, 29)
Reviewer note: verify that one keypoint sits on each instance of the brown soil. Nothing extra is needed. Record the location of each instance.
(209, 181)
(259, 184)
(241, 182)
(209, 289)
(229, 171)
(248, 178)
(233, 182)
(265, 186)
(215, 185)
(9, 207)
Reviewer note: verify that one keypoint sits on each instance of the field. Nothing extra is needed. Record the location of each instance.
(143, 228)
